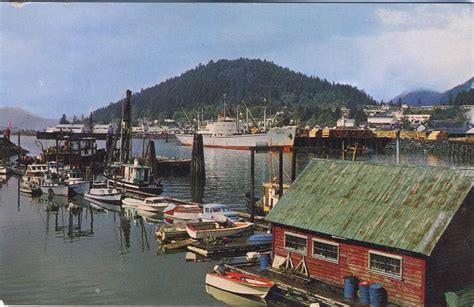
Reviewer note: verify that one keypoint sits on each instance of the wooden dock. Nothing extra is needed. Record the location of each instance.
(229, 250)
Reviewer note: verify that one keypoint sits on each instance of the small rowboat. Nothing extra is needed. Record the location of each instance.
(238, 283)
(202, 230)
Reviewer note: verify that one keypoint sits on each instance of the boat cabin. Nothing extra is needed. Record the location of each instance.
(405, 227)
(212, 211)
(136, 173)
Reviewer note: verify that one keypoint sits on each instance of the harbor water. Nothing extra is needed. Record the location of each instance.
(52, 252)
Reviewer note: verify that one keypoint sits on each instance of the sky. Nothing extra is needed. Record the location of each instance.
(72, 58)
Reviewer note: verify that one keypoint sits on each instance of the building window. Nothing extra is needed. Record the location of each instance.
(326, 250)
(385, 264)
(296, 243)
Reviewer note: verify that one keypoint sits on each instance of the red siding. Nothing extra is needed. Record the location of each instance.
(353, 259)
(451, 265)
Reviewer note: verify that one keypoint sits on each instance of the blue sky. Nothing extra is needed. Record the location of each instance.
(72, 58)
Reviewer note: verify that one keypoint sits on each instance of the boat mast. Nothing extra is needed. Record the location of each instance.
(265, 115)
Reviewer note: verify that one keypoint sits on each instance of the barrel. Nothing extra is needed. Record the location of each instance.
(264, 261)
(364, 293)
(377, 297)
(350, 283)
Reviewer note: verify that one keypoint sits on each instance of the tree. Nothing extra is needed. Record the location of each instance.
(63, 120)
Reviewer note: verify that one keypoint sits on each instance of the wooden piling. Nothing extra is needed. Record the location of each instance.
(293, 164)
(252, 185)
(151, 158)
(280, 173)
(198, 169)
(19, 146)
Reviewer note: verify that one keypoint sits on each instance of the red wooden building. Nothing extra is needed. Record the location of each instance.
(409, 228)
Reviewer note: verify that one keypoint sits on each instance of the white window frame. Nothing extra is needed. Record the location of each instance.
(305, 253)
(389, 256)
(322, 257)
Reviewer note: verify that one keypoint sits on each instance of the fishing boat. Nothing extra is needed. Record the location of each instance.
(106, 195)
(3, 170)
(35, 173)
(75, 181)
(151, 204)
(239, 283)
(203, 230)
(183, 211)
(30, 188)
(135, 178)
(52, 184)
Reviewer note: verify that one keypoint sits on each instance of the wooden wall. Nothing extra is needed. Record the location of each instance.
(451, 265)
(353, 259)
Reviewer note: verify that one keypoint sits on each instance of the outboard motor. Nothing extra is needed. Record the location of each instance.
(219, 269)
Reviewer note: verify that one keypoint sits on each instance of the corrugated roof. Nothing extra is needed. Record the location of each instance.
(400, 206)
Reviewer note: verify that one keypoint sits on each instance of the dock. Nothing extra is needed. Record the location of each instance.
(229, 250)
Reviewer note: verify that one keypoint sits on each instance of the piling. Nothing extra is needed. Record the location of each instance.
(252, 185)
(151, 158)
(280, 173)
(398, 146)
(198, 169)
(19, 146)
(293, 164)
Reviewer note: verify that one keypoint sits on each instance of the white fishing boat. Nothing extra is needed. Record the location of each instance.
(75, 180)
(135, 178)
(232, 299)
(203, 230)
(35, 173)
(239, 283)
(151, 204)
(106, 195)
(53, 185)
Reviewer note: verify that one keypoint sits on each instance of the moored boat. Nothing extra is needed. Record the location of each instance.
(183, 211)
(219, 213)
(135, 178)
(75, 181)
(52, 184)
(106, 195)
(238, 283)
(203, 230)
(151, 204)
(30, 188)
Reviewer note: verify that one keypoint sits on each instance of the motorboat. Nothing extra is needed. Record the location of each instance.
(183, 211)
(239, 283)
(219, 213)
(152, 204)
(75, 180)
(106, 195)
(30, 188)
(232, 299)
(203, 230)
(53, 185)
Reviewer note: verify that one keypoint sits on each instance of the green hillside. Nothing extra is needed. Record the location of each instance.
(245, 80)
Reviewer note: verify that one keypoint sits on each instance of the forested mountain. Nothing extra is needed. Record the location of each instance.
(428, 97)
(241, 80)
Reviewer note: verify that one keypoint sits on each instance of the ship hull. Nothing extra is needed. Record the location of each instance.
(274, 138)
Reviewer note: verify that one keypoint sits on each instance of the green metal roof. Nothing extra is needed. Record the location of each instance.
(400, 206)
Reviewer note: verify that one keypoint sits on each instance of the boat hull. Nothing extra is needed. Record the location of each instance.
(80, 187)
(115, 198)
(196, 233)
(234, 286)
(135, 189)
(62, 190)
(275, 138)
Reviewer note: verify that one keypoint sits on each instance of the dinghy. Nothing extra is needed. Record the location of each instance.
(111, 196)
(238, 283)
(203, 230)
(183, 212)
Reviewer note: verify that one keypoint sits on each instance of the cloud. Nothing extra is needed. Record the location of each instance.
(429, 46)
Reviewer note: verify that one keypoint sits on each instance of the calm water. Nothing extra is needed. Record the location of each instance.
(50, 254)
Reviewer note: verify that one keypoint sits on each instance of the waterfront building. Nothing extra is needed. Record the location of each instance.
(74, 128)
(417, 119)
(344, 122)
(381, 121)
(408, 228)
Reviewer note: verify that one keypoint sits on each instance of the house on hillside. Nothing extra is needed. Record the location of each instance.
(408, 228)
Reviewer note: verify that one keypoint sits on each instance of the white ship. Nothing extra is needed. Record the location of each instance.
(225, 134)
